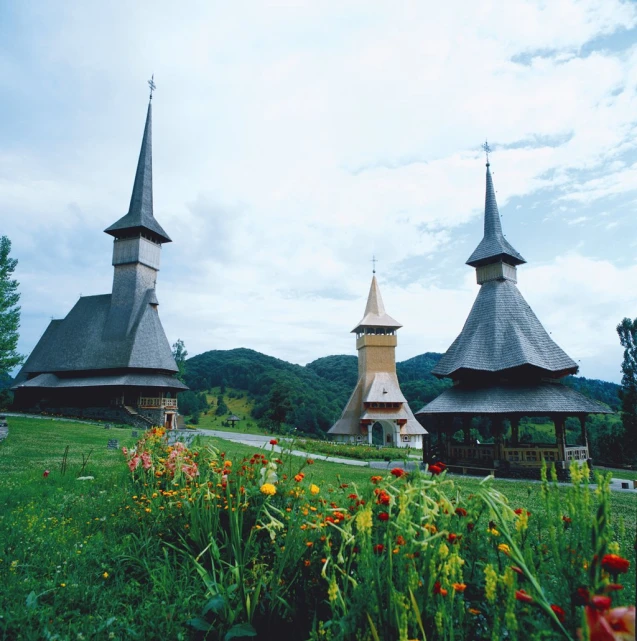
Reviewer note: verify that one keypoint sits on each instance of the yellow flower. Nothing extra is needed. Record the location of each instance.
(332, 591)
(105, 575)
(443, 551)
(62, 585)
(493, 532)
(364, 521)
(503, 547)
(490, 583)
(314, 489)
(268, 489)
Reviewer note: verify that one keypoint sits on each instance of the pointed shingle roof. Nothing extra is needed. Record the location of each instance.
(530, 399)
(140, 212)
(502, 332)
(494, 246)
(375, 315)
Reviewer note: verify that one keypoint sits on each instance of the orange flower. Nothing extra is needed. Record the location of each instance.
(459, 587)
(376, 479)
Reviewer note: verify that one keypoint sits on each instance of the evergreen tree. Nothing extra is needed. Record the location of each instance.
(222, 408)
(627, 331)
(180, 354)
(9, 310)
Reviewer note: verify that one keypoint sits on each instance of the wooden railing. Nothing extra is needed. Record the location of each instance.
(529, 454)
(168, 403)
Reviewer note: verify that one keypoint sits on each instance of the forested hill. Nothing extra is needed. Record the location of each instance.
(312, 397)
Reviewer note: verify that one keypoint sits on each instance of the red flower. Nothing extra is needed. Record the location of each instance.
(521, 595)
(435, 469)
(273, 441)
(615, 564)
(46, 473)
(352, 496)
(310, 461)
(378, 548)
(460, 511)
(452, 538)
(383, 498)
(439, 590)
(441, 465)
(567, 519)
(383, 516)
(561, 615)
(519, 511)
(517, 570)
(613, 587)
(398, 472)
(600, 602)
(581, 596)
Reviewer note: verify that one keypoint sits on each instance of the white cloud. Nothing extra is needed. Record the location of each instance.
(293, 140)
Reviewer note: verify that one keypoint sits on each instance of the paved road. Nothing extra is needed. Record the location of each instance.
(258, 440)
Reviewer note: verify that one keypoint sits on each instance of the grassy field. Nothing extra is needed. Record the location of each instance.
(75, 565)
(241, 407)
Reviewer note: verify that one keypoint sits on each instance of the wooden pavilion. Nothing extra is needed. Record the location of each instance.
(504, 366)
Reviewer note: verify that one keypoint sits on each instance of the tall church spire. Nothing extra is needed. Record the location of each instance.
(375, 314)
(493, 247)
(140, 218)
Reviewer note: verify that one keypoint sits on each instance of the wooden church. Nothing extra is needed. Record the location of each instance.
(377, 413)
(504, 367)
(109, 358)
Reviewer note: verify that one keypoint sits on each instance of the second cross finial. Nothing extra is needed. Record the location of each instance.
(487, 150)
(152, 85)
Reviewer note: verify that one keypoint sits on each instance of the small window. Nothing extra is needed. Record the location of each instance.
(406, 439)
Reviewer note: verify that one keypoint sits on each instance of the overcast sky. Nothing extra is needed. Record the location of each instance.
(292, 141)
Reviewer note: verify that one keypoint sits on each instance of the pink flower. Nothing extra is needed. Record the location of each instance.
(617, 624)
(124, 451)
(46, 473)
(146, 461)
(133, 463)
(190, 470)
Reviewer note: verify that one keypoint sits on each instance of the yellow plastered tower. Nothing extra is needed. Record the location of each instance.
(377, 412)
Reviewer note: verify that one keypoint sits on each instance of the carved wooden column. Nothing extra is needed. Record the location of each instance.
(466, 428)
(584, 436)
(515, 435)
(496, 428)
(560, 436)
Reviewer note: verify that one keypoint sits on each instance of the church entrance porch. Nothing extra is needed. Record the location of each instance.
(383, 433)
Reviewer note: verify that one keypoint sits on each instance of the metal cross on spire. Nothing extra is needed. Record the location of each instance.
(152, 85)
(373, 261)
(486, 149)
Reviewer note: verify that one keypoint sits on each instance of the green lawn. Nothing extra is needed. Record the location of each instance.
(74, 563)
(241, 407)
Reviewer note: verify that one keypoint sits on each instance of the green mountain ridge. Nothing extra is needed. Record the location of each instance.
(312, 397)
